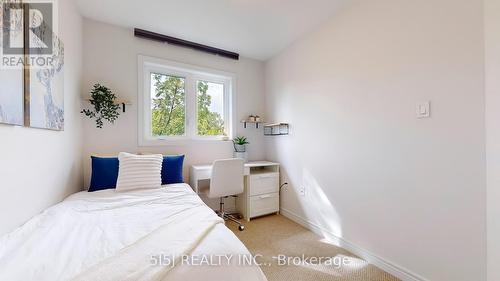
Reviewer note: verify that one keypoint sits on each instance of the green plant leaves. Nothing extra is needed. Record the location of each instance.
(105, 108)
(240, 141)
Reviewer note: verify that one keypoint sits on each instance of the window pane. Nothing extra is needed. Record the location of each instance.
(210, 108)
(168, 105)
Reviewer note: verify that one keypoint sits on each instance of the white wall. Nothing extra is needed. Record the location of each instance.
(38, 168)
(411, 191)
(110, 57)
(492, 34)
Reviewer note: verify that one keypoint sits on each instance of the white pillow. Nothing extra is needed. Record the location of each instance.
(139, 171)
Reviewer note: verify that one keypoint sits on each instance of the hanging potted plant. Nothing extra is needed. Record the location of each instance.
(104, 103)
(240, 149)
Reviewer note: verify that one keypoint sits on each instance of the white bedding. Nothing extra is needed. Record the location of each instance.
(107, 235)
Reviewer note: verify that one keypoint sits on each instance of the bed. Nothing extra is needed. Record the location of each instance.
(158, 234)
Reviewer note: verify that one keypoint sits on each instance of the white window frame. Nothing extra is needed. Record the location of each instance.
(191, 74)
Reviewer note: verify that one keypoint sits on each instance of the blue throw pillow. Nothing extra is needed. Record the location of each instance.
(104, 173)
(171, 170)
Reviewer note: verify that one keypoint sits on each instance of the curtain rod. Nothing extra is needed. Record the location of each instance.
(141, 33)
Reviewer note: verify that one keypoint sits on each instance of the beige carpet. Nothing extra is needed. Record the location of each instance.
(276, 235)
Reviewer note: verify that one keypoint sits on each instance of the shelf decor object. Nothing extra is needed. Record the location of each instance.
(105, 106)
(252, 120)
(240, 149)
(276, 129)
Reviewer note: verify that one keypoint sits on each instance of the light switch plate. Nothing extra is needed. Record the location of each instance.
(424, 109)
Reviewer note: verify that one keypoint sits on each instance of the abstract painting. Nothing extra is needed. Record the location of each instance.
(46, 106)
(11, 97)
(31, 92)
(12, 79)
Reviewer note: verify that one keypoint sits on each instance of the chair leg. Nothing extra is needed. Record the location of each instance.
(221, 208)
(221, 213)
(241, 227)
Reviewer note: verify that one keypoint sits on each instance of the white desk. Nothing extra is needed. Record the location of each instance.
(261, 194)
(204, 171)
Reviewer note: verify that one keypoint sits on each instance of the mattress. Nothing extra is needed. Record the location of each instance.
(158, 234)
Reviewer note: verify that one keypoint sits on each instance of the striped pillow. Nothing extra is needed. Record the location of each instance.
(139, 171)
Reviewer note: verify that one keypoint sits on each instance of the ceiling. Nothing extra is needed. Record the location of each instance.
(256, 29)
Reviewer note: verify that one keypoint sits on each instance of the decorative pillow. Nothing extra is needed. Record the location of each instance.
(104, 173)
(171, 170)
(139, 171)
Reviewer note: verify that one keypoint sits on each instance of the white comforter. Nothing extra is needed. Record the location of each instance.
(108, 235)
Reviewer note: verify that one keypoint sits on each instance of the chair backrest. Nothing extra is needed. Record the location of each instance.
(227, 178)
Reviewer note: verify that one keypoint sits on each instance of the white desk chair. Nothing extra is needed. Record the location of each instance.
(227, 180)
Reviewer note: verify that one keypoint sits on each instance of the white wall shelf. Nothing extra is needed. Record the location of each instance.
(276, 129)
(246, 122)
(123, 103)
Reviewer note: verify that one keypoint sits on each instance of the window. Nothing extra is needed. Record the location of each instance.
(179, 102)
(210, 114)
(168, 105)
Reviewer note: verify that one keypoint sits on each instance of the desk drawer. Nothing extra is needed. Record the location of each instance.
(264, 183)
(264, 204)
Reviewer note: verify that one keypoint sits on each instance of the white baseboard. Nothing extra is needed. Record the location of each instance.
(371, 258)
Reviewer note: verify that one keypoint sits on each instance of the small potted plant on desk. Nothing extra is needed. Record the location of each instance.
(240, 149)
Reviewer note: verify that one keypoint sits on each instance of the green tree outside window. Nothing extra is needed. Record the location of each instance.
(169, 108)
(209, 123)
